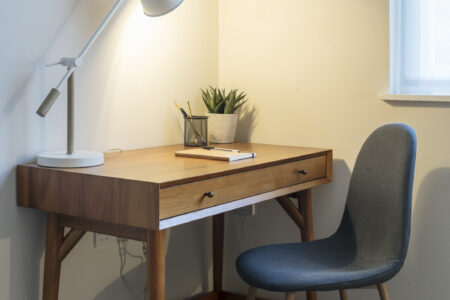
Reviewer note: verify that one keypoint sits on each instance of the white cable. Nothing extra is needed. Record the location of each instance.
(122, 245)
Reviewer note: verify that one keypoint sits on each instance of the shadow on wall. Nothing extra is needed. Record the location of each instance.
(23, 76)
(420, 104)
(426, 268)
(271, 225)
(132, 287)
(247, 123)
(22, 87)
(188, 258)
(329, 200)
(23, 229)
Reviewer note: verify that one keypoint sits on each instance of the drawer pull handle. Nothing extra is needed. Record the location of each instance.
(304, 172)
(209, 194)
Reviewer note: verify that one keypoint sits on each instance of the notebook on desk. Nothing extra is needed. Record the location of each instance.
(215, 154)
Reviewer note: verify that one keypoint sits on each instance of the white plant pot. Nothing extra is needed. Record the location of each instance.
(222, 127)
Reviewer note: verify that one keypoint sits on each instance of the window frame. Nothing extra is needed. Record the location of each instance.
(395, 26)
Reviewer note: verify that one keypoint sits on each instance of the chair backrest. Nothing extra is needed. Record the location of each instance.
(378, 209)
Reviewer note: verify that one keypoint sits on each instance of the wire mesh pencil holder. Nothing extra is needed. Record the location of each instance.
(196, 131)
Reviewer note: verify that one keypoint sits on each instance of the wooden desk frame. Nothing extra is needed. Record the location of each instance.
(58, 245)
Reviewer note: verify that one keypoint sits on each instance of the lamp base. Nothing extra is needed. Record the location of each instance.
(79, 159)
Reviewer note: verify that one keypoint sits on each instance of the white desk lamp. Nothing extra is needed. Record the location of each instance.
(72, 158)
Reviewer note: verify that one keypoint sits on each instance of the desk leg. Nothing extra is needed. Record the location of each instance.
(305, 207)
(156, 264)
(52, 267)
(218, 237)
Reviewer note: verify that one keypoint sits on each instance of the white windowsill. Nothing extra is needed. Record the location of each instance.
(421, 98)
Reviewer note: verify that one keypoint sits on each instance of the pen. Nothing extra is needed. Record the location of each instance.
(220, 149)
(182, 110)
(190, 116)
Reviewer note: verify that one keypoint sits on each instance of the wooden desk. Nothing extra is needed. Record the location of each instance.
(138, 194)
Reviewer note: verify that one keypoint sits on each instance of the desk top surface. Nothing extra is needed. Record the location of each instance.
(160, 165)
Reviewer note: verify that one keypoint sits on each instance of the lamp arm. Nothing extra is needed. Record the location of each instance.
(72, 63)
(69, 72)
(92, 40)
(100, 29)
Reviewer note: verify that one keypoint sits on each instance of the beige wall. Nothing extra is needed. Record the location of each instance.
(124, 93)
(313, 70)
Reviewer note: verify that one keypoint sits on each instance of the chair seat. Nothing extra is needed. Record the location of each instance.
(318, 265)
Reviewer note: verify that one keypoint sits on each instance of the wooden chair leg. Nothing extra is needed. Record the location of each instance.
(251, 293)
(343, 294)
(290, 296)
(305, 206)
(382, 290)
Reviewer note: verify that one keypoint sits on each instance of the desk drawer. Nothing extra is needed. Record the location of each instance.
(190, 197)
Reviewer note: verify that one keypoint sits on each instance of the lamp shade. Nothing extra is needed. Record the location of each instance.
(155, 8)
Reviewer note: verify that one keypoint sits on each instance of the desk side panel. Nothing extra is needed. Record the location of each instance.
(111, 200)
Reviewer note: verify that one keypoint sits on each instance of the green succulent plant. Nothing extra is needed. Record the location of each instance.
(218, 101)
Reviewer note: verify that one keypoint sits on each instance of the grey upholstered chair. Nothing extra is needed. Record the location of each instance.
(370, 245)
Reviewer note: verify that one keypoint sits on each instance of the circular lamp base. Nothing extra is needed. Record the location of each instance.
(79, 159)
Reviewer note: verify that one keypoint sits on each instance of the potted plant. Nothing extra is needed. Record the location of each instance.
(222, 113)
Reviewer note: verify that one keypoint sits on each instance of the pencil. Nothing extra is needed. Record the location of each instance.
(189, 108)
(190, 116)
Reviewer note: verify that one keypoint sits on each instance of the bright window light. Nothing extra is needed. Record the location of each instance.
(420, 47)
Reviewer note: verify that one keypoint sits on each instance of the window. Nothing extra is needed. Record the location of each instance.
(420, 47)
